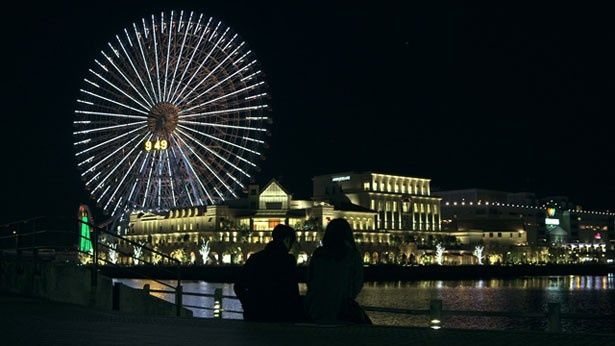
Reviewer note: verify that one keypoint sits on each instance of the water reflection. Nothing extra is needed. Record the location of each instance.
(581, 294)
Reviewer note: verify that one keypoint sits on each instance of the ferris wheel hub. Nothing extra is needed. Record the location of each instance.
(162, 118)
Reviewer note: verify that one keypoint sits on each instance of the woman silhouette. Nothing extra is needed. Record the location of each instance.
(335, 277)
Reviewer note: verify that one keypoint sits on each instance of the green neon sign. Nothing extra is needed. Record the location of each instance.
(85, 244)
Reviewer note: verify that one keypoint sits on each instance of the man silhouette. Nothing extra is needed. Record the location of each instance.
(267, 285)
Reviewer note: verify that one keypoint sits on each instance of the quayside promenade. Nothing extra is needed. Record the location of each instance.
(26, 321)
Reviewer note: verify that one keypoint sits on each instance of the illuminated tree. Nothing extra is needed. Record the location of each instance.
(478, 252)
(156, 257)
(439, 254)
(138, 252)
(113, 254)
(180, 255)
(172, 114)
(204, 251)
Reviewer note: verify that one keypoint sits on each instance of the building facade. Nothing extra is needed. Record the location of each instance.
(401, 203)
(235, 230)
(522, 220)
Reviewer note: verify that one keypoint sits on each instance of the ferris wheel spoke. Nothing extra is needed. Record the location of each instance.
(134, 68)
(117, 88)
(166, 70)
(108, 141)
(213, 152)
(222, 111)
(123, 178)
(171, 180)
(235, 180)
(149, 101)
(218, 84)
(191, 183)
(219, 139)
(149, 178)
(222, 125)
(187, 162)
(160, 160)
(156, 57)
(114, 115)
(181, 50)
(137, 181)
(100, 184)
(112, 101)
(214, 46)
(92, 168)
(238, 91)
(149, 76)
(110, 60)
(209, 169)
(109, 127)
(194, 51)
(228, 56)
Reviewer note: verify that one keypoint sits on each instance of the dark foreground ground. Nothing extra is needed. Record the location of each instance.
(372, 273)
(26, 321)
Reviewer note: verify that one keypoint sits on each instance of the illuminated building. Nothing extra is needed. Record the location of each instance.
(505, 218)
(402, 203)
(239, 228)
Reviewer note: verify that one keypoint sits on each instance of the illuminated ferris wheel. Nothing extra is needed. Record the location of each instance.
(172, 114)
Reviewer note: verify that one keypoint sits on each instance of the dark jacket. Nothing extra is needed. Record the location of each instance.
(334, 281)
(268, 286)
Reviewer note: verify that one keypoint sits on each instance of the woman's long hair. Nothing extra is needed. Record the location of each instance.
(338, 238)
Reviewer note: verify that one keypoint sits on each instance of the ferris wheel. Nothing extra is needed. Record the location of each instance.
(173, 113)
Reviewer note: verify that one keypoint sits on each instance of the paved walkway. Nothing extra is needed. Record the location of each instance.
(25, 321)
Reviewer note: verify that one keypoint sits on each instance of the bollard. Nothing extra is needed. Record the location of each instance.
(554, 318)
(179, 294)
(435, 314)
(218, 303)
(146, 288)
(115, 297)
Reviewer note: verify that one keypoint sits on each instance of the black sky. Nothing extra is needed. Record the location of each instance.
(500, 97)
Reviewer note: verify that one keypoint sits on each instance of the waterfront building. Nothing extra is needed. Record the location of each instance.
(395, 220)
(236, 229)
(401, 202)
(506, 219)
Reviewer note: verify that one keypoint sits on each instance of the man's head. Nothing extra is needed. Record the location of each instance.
(284, 234)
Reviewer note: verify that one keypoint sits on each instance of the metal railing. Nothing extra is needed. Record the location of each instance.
(217, 306)
(39, 238)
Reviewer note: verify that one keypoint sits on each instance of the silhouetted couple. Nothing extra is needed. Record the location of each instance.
(268, 283)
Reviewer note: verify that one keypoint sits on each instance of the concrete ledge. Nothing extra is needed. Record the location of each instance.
(70, 283)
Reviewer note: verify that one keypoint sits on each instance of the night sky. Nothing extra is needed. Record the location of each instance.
(507, 98)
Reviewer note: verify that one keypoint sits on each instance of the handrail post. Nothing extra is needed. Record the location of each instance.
(16, 233)
(115, 296)
(94, 240)
(435, 313)
(218, 303)
(554, 318)
(146, 289)
(178, 300)
(34, 244)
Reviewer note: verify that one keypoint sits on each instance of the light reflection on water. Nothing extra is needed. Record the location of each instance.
(578, 294)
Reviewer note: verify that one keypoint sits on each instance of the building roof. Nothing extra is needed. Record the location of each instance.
(370, 173)
(276, 182)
